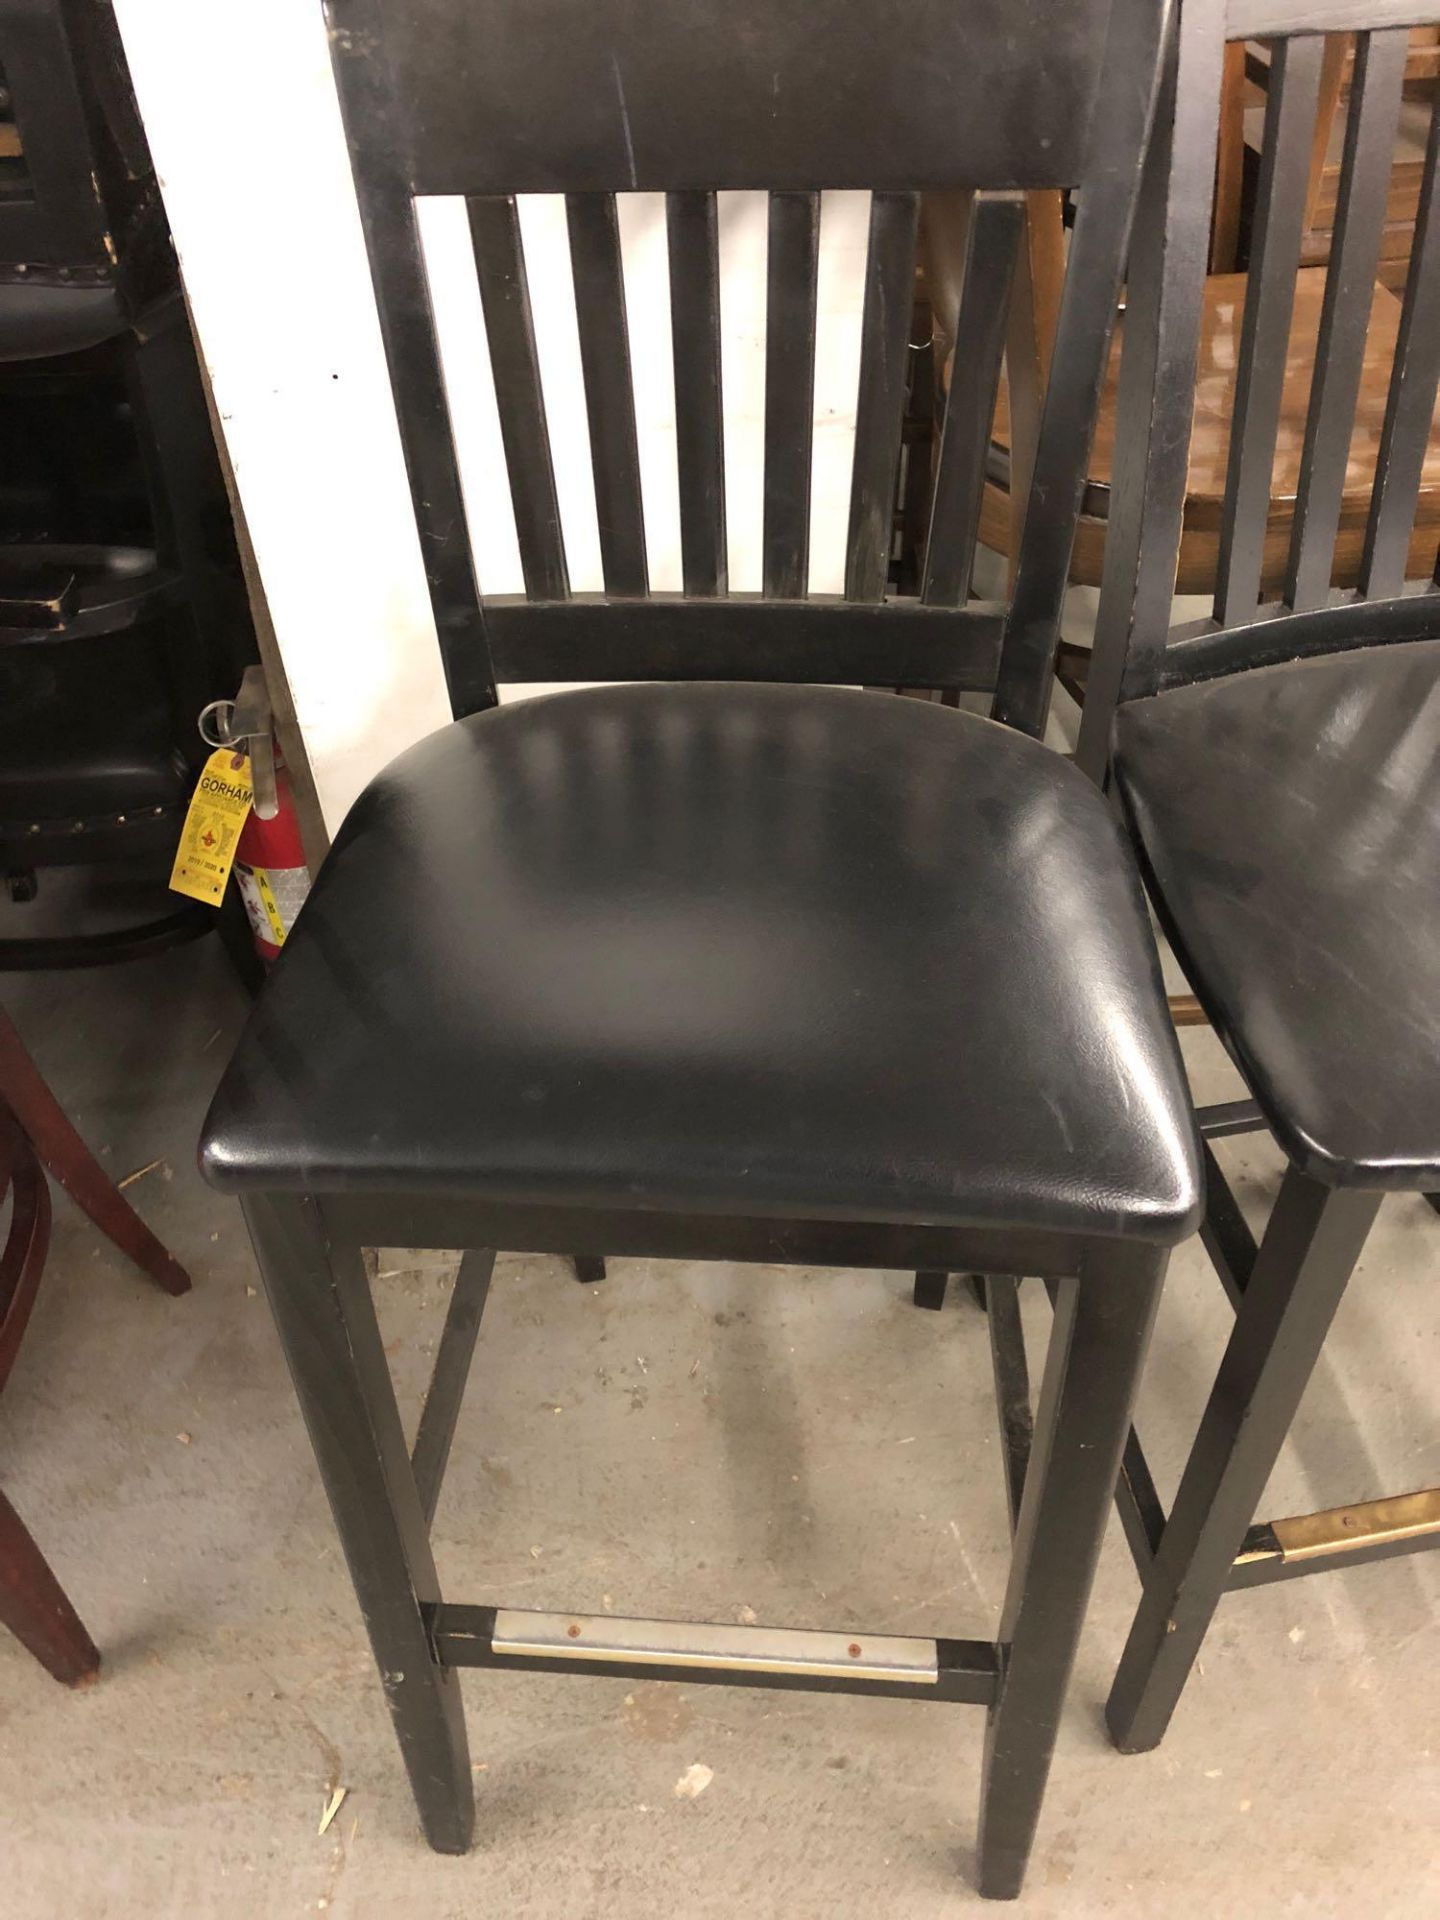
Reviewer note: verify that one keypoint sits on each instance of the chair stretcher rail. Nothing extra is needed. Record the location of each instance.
(1338, 1537)
(758, 1656)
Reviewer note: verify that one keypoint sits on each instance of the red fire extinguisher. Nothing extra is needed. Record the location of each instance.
(270, 868)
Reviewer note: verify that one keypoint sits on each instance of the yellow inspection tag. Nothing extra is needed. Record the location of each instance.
(208, 839)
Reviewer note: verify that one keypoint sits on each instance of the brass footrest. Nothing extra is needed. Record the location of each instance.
(1340, 1536)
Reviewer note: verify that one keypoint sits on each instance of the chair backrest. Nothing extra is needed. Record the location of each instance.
(54, 225)
(590, 98)
(1137, 652)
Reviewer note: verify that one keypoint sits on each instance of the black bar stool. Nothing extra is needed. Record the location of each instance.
(1279, 766)
(728, 959)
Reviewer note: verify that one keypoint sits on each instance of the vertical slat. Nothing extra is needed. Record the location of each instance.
(991, 244)
(1345, 316)
(1101, 236)
(1230, 162)
(505, 296)
(1029, 343)
(1410, 409)
(392, 237)
(880, 402)
(699, 428)
(1265, 328)
(789, 390)
(917, 434)
(1156, 395)
(609, 392)
(1332, 88)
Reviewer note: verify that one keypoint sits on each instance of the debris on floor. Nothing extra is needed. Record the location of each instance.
(332, 1807)
(138, 1174)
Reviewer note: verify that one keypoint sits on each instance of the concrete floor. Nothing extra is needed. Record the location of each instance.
(687, 1440)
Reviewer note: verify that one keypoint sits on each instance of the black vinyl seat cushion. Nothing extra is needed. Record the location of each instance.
(1289, 818)
(40, 322)
(762, 951)
(87, 732)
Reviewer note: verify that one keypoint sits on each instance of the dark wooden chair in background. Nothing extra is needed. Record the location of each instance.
(35, 1136)
(727, 971)
(122, 606)
(1247, 80)
(1279, 765)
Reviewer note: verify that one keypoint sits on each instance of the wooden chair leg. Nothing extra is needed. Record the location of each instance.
(22, 1254)
(67, 1157)
(34, 1607)
(1306, 1257)
(325, 1317)
(930, 1290)
(1097, 1345)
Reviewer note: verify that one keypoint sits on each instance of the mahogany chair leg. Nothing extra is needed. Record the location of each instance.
(71, 1162)
(22, 1256)
(34, 1607)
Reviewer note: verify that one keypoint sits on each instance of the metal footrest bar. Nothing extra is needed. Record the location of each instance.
(691, 1651)
(1229, 1117)
(447, 1380)
(1338, 1537)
